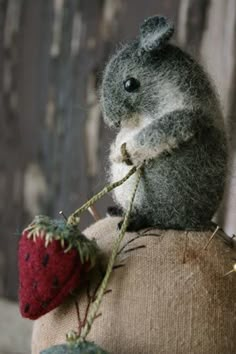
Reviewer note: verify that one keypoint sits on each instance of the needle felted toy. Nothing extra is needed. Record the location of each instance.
(168, 167)
(53, 260)
(169, 118)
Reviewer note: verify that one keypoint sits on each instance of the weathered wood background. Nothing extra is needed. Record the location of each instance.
(53, 144)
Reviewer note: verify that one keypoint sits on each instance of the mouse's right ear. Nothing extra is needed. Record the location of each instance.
(154, 33)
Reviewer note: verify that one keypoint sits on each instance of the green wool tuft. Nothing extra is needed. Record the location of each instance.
(69, 235)
(81, 348)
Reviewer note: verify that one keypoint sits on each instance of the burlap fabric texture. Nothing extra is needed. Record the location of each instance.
(169, 297)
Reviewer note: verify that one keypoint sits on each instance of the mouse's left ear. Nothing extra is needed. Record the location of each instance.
(154, 33)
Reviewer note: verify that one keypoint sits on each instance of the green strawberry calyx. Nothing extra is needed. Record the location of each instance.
(69, 236)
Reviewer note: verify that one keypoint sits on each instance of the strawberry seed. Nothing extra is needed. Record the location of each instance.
(26, 308)
(55, 282)
(45, 260)
(27, 256)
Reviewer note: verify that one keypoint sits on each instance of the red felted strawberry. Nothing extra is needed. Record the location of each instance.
(53, 258)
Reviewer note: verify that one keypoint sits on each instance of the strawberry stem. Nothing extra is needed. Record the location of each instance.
(74, 217)
(102, 289)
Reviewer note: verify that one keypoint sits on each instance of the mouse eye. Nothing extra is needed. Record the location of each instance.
(131, 84)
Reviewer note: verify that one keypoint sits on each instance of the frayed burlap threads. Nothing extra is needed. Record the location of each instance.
(170, 297)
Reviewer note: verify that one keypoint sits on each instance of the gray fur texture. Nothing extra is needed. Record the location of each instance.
(172, 122)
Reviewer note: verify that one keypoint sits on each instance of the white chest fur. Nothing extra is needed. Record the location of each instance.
(118, 168)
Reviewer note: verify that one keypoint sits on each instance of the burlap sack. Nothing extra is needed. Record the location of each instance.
(170, 297)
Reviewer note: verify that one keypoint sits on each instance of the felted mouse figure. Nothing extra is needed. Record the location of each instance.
(169, 120)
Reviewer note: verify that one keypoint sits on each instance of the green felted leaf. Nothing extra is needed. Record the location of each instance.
(82, 348)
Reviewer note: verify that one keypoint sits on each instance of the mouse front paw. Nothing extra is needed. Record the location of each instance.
(125, 155)
(133, 155)
(115, 211)
(135, 224)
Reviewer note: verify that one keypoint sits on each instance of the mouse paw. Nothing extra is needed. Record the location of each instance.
(134, 225)
(136, 155)
(125, 155)
(115, 211)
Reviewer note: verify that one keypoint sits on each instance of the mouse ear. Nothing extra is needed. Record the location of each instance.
(155, 32)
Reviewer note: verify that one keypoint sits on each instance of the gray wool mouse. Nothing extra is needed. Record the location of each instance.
(168, 118)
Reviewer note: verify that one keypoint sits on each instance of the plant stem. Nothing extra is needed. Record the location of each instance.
(95, 305)
(73, 217)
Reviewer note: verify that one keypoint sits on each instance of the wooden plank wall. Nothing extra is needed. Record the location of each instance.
(53, 144)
